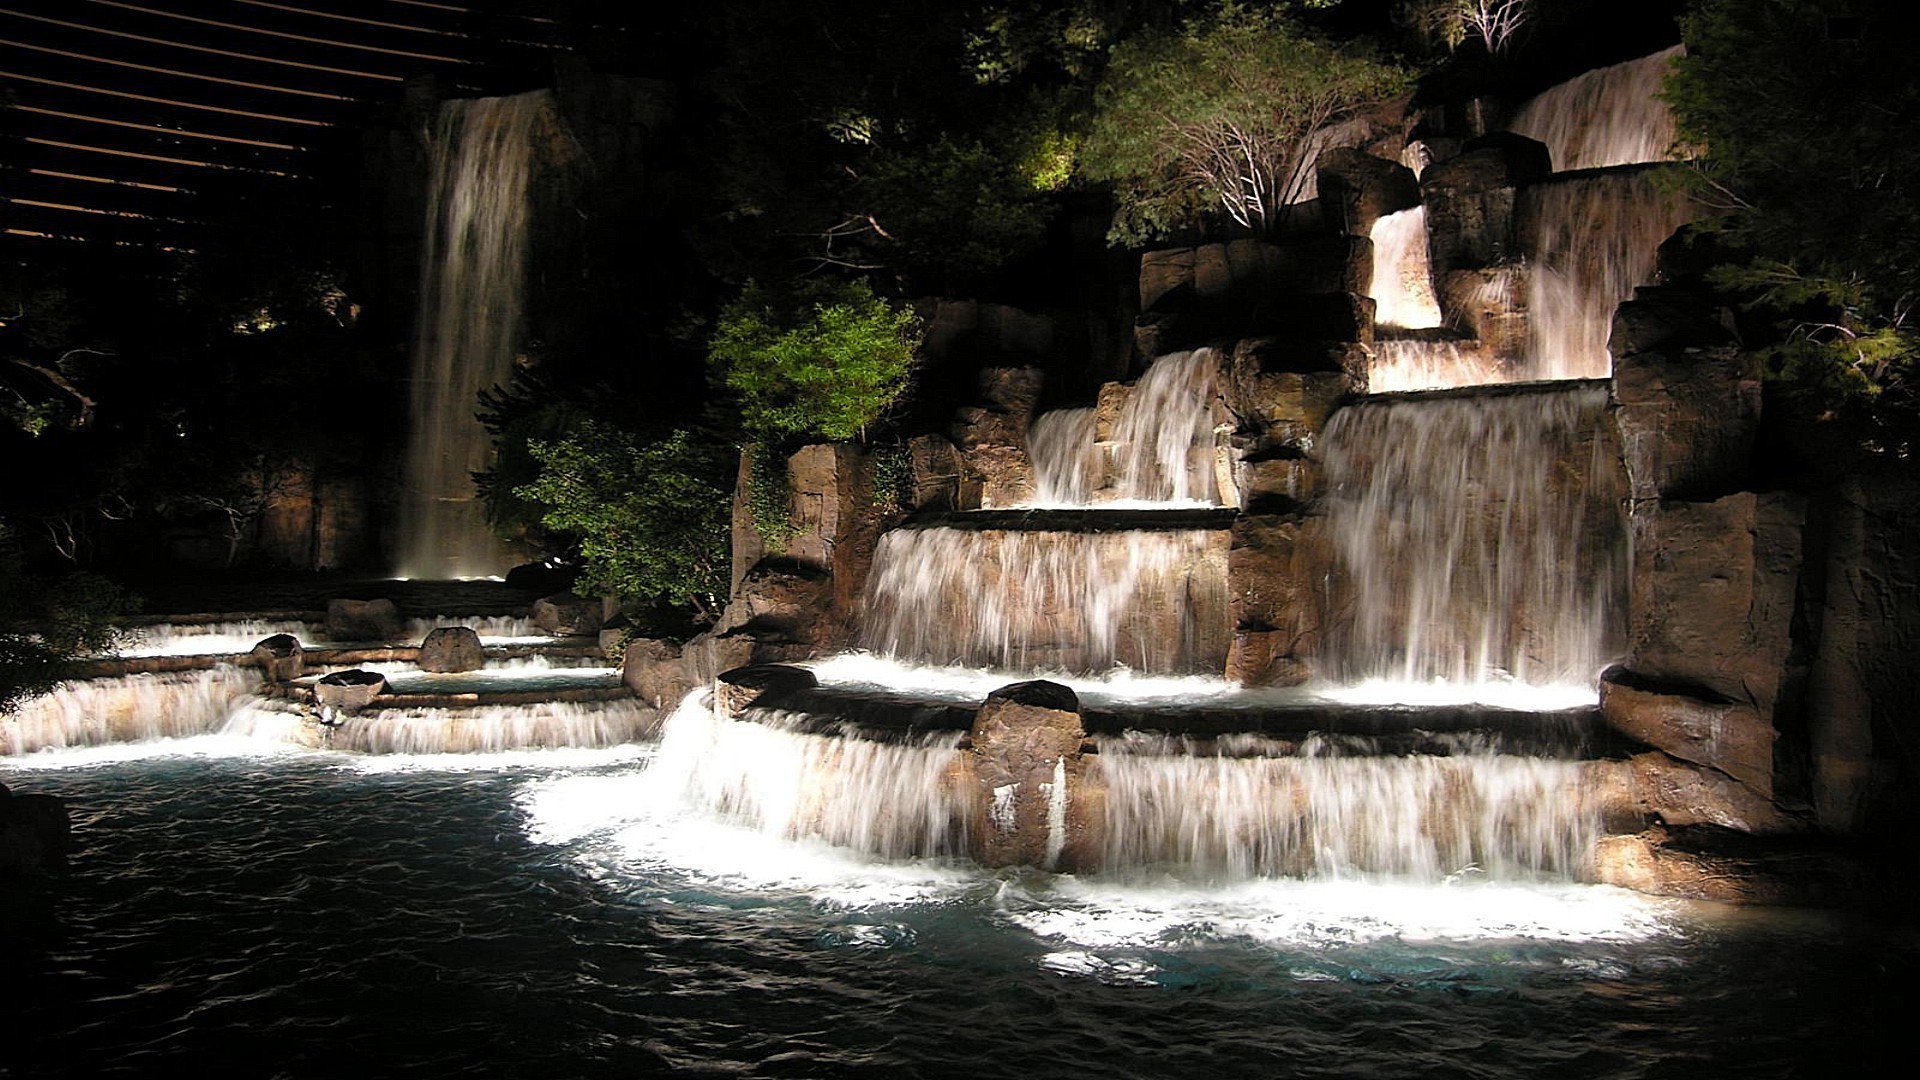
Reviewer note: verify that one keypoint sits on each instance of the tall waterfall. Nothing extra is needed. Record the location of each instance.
(1478, 539)
(1157, 449)
(1152, 601)
(1609, 116)
(472, 269)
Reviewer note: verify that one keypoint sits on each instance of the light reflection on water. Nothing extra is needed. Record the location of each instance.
(544, 914)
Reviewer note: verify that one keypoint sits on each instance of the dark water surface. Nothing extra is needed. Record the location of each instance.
(318, 915)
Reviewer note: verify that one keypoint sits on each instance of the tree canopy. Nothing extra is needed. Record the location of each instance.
(1216, 117)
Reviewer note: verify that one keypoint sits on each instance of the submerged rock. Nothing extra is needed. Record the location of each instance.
(349, 690)
(1027, 769)
(280, 658)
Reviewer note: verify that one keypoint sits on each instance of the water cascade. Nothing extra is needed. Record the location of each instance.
(1149, 445)
(468, 328)
(1402, 276)
(1479, 538)
(130, 708)
(1609, 116)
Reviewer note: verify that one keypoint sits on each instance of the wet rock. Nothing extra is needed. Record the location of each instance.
(1471, 198)
(1264, 657)
(940, 479)
(783, 598)
(349, 691)
(1026, 764)
(280, 658)
(1488, 304)
(452, 648)
(1272, 567)
(567, 614)
(36, 832)
(1728, 736)
(654, 671)
(1680, 793)
(363, 620)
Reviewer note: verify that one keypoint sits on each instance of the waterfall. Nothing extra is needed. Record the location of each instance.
(1153, 601)
(543, 725)
(1157, 449)
(1478, 539)
(1609, 116)
(1402, 276)
(894, 800)
(130, 708)
(1592, 239)
(1403, 364)
(1236, 813)
(468, 327)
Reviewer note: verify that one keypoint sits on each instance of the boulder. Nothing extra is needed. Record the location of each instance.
(280, 658)
(1689, 414)
(1364, 188)
(738, 689)
(654, 670)
(1026, 765)
(348, 691)
(784, 598)
(363, 620)
(452, 648)
(567, 614)
(1656, 787)
(1705, 864)
(1471, 198)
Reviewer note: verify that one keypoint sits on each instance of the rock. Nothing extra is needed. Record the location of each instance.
(1727, 736)
(1273, 566)
(940, 479)
(542, 577)
(1364, 188)
(1703, 864)
(567, 614)
(1689, 416)
(280, 658)
(1471, 198)
(654, 670)
(1026, 764)
(452, 648)
(1264, 657)
(1713, 594)
(1680, 793)
(1488, 304)
(783, 598)
(349, 691)
(742, 687)
(363, 620)
(36, 833)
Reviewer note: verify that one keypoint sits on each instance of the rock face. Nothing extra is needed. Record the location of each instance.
(736, 690)
(1713, 594)
(349, 691)
(1689, 405)
(363, 620)
(1027, 767)
(1704, 864)
(1471, 199)
(1364, 188)
(652, 669)
(1304, 289)
(280, 658)
(452, 648)
(36, 832)
(1730, 737)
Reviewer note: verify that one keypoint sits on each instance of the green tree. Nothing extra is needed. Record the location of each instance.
(825, 363)
(1808, 115)
(650, 518)
(48, 622)
(1217, 118)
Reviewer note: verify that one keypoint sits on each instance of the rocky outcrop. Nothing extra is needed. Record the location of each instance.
(1271, 567)
(452, 648)
(1361, 188)
(1471, 198)
(654, 671)
(1689, 403)
(992, 436)
(1302, 290)
(363, 620)
(1730, 737)
(1032, 809)
(1709, 864)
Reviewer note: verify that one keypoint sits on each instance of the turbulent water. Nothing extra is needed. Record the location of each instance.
(544, 915)
(1609, 116)
(1154, 449)
(1402, 274)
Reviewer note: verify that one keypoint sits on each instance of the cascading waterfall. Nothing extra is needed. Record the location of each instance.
(1592, 239)
(1152, 601)
(471, 283)
(130, 708)
(1158, 451)
(1609, 116)
(1479, 539)
(1400, 365)
(1402, 274)
(895, 800)
(542, 725)
(1241, 809)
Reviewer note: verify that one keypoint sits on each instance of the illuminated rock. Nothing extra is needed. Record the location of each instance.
(452, 648)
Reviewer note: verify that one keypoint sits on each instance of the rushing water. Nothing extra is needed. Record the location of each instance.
(1608, 116)
(1402, 274)
(473, 262)
(1155, 449)
(324, 915)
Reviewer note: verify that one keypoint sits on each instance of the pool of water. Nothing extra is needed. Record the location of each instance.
(548, 914)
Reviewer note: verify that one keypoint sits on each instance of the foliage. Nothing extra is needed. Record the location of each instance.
(1809, 113)
(1494, 24)
(1217, 116)
(48, 622)
(769, 503)
(825, 363)
(650, 517)
(892, 477)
